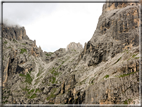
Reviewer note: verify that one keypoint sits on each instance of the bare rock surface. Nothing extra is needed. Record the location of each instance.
(74, 47)
(105, 71)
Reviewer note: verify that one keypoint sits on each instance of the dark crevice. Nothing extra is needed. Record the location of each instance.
(19, 69)
(12, 60)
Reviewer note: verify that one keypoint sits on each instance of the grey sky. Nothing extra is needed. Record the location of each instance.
(23, 13)
(54, 25)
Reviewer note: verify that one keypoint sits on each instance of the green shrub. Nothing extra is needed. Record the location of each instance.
(54, 72)
(52, 80)
(5, 42)
(9, 47)
(63, 62)
(14, 40)
(137, 57)
(23, 50)
(22, 75)
(37, 90)
(31, 91)
(129, 100)
(125, 102)
(49, 54)
(134, 55)
(5, 101)
(106, 76)
(28, 78)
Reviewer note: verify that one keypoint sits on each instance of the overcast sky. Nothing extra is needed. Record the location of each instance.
(54, 25)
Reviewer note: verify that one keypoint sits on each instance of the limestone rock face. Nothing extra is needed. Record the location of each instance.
(117, 30)
(118, 5)
(105, 71)
(17, 49)
(14, 33)
(74, 46)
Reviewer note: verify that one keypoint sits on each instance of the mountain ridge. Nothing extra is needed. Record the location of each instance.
(105, 71)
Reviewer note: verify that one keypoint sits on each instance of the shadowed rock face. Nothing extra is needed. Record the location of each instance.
(14, 33)
(105, 71)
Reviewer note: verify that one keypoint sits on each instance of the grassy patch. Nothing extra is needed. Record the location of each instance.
(52, 95)
(9, 47)
(54, 72)
(127, 74)
(49, 54)
(63, 62)
(129, 100)
(40, 72)
(117, 60)
(125, 102)
(4, 97)
(32, 96)
(25, 89)
(5, 101)
(107, 76)
(5, 42)
(31, 91)
(53, 80)
(134, 55)
(23, 50)
(37, 90)
(22, 75)
(30, 71)
(14, 40)
(37, 80)
(28, 77)
(23, 44)
(137, 57)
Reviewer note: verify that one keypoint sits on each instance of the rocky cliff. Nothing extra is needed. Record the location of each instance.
(105, 71)
(74, 46)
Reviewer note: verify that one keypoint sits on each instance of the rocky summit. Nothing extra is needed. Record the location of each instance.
(104, 71)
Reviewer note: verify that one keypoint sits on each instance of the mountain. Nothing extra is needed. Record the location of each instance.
(105, 71)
